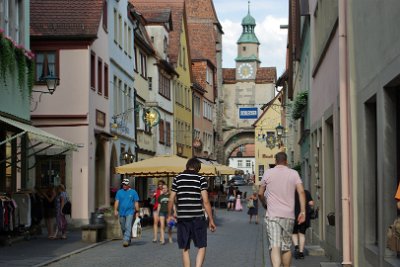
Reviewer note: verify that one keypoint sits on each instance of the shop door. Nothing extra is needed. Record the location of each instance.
(50, 171)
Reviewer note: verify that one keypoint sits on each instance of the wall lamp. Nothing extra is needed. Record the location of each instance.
(51, 82)
(272, 139)
(127, 156)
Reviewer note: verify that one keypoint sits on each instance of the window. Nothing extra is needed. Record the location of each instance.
(165, 87)
(119, 97)
(46, 64)
(248, 163)
(105, 16)
(143, 65)
(165, 43)
(138, 114)
(93, 71)
(129, 41)
(115, 26)
(135, 56)
(196, 105)
(105, 80)
(120, 30)
(130, 104)
(115, 94)
(161, 132)
(125, 96)
(240, 163)
(168, 133)
(150, 80)
(209, 76)
(100, 76)
(125, 38)
(12, 19)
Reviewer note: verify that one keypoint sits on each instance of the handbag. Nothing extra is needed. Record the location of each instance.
(67, 208)
(250, 203)
(137, 228)
(314, 213)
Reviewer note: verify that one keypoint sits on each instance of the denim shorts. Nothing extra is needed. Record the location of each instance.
(192, 229)
(163, 214)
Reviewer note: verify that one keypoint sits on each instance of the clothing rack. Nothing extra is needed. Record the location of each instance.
(18, 215)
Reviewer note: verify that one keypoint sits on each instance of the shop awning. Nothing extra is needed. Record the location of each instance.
(37, 134)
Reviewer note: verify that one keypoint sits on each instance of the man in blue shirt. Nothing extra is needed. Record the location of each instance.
(125, 206)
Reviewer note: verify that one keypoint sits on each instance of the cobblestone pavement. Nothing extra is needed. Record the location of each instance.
(236, 243)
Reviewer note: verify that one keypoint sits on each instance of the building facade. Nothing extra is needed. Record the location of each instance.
(79, 110)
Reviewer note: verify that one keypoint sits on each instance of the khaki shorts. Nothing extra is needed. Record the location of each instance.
(279, 232)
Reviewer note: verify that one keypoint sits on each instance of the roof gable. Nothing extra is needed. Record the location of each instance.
(177, 10)
(60, 18)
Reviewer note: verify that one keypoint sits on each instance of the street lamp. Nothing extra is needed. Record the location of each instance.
(51, 83)
(279, 131)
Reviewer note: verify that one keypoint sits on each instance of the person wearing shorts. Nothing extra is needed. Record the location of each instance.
(299, 230)
(277, 192)
(189, 189)
(162, 213)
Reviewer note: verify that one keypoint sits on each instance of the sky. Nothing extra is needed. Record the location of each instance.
(269, 15)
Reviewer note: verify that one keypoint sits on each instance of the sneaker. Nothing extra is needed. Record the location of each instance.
(301, 255)
(125, 244)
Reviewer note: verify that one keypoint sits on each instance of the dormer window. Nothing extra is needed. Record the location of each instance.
(165, 44)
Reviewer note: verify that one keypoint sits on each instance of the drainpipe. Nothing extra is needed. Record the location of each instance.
(344, 133)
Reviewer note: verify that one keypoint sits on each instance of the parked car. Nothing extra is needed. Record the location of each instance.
(237, 180)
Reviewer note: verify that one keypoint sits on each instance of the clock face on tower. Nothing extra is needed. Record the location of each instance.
(245, 71)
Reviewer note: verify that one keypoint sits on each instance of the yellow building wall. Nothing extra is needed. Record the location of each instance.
(183, 107)
(265, 156)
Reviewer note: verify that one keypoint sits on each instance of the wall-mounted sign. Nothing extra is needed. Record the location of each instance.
(100, 118)
(248, 113)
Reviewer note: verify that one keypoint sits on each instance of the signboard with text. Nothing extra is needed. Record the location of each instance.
(248, 113)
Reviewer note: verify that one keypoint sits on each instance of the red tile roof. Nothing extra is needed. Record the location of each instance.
(177, 9)
(202, 19)
(263, 75)
(61, 18)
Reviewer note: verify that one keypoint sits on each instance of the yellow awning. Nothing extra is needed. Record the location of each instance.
(37, 134)
(162, 165)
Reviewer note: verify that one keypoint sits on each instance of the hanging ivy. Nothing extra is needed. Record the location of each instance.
(21, 64)
(13, 55)
(7, 58)
(299, 105)
(31, 74)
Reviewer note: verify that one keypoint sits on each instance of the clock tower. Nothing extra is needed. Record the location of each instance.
(247, 60)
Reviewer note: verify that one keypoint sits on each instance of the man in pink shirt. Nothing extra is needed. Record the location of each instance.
(276, 194)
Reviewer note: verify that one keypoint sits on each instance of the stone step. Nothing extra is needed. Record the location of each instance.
(315, 250)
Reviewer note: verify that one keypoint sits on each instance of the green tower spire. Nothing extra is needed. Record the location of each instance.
(248, 24)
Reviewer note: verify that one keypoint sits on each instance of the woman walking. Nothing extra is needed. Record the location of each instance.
(61, 199)
(253, 209)
(49, 210)
(156, 217)
(163, 214)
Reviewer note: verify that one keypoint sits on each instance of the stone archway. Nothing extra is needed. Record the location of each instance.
(235, 139)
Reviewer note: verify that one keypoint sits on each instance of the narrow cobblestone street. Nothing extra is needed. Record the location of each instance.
(236, 243)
